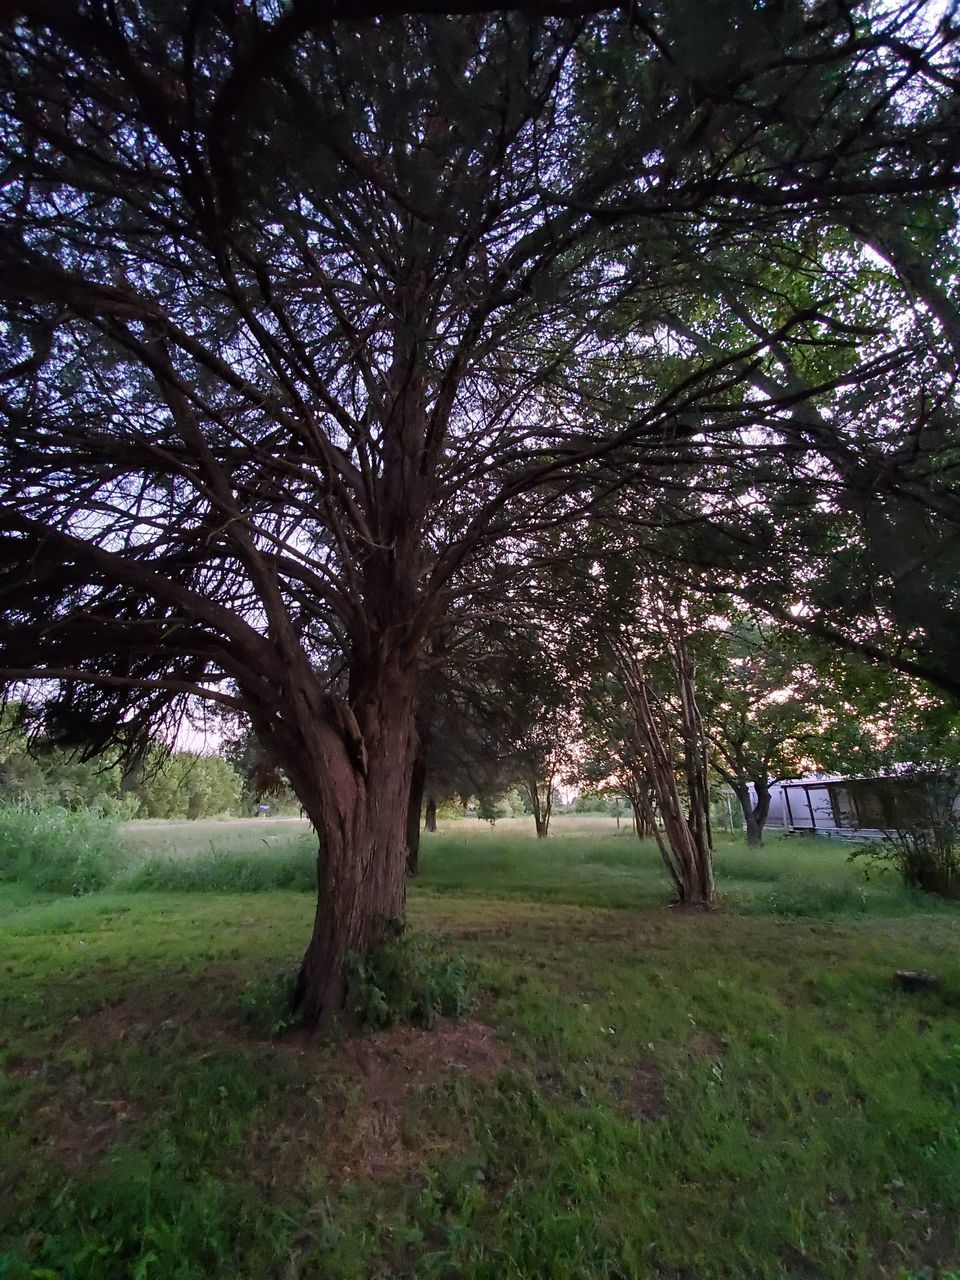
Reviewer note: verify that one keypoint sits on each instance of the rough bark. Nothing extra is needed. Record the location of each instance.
(351, 765)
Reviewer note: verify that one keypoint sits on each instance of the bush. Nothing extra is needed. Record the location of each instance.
(60, 850)
(922, 860)
(408, 980)
(925, 850)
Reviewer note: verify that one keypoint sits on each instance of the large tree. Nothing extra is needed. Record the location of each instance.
(291, 306)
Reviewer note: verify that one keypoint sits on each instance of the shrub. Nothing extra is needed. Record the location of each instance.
(59, 850)
(408, 980)
(925, 850)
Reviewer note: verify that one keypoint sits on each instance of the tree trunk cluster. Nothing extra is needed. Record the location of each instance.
(685, 839)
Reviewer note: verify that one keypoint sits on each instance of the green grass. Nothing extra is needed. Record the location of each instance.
(586, 862)
(595, 866)
(739, 1095)
(787, 877)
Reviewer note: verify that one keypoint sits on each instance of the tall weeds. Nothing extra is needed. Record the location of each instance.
(59, 850)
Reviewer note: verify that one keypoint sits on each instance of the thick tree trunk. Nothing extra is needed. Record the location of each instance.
(754, 812)
(761, 809)
(753, 829)
(430, 818)
(351, 765)
(414, 808)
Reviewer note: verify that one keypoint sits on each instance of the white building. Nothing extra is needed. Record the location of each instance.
(849, 808)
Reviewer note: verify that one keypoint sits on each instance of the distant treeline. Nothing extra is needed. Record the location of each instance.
(180, 784)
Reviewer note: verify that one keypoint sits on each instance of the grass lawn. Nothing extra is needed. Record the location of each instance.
(637, 1093)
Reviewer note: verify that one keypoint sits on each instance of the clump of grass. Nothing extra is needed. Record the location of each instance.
(734, 862)
(806, 898)
(58, 850)
(408, 979)
(219, 872)
(267, 1003)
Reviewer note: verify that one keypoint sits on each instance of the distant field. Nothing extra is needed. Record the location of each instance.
(241, 835)
(219, 835)
(580, 824)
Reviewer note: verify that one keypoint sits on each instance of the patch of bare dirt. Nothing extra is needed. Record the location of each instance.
(80, 1135)
(113, 1023)
(705, 1045)
(390, 1070)
(24, 1068)
(369, 1111)
(408, 1054)
(641, 1092)
(203, 1008)
(362, 1105)
(480, 933)
(194, 1003)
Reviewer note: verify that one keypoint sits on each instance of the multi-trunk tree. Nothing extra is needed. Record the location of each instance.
(657, 665)
(291, 306)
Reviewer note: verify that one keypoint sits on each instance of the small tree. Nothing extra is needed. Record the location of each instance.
(535, 720)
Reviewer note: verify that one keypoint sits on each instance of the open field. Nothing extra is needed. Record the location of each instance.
(636, 1094)
(242, 835)
(586, 861)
